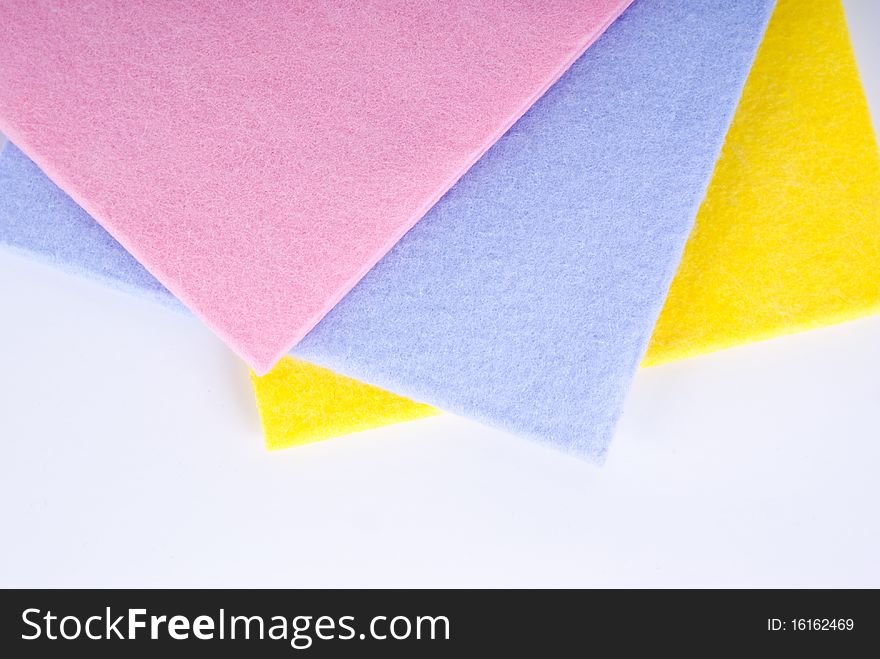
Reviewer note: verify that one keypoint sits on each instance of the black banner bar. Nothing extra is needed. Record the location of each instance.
(433, 623)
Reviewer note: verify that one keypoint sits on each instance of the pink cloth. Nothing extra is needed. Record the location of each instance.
(259, 158)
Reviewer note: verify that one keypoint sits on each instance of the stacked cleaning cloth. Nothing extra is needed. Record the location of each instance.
(525, 295)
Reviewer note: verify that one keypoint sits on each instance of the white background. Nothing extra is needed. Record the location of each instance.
(132, 456)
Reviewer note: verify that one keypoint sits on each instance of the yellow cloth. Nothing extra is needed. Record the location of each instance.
(301, 403)
(788, 237)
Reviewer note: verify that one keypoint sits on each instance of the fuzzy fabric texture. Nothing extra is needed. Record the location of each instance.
(788, 237)
(526, 296)
(40, 220)
(259, 158)
(797, 157)
(301, 403)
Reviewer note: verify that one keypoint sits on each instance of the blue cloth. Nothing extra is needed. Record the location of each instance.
(526, 297)
(39, 219)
